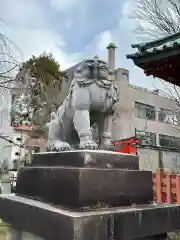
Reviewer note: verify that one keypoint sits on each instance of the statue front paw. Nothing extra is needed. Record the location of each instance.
(60, 146)
(88, 145)
(107, 146)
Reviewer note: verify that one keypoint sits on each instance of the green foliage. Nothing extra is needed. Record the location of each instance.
(44, 66)
(45, 86)
(46, 70)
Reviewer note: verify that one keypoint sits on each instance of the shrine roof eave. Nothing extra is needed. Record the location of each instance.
(143, 59)
(164, 65)
(172, 40)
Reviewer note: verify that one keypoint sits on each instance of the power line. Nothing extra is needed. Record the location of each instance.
(7, 81)
(12, 142)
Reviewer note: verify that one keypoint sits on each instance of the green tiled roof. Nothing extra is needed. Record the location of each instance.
(166, 43)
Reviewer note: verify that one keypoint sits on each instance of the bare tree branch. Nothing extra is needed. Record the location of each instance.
(172, 92)
(156, 18)
(12, 142)
(9, 55)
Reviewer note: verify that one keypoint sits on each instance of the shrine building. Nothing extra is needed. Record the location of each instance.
(159, 58)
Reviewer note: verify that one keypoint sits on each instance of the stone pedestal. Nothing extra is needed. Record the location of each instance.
(5, 183)
(55, 222)
(18, 234)
(87, 158)
(85, 186)
(83, 178)
(95, 195)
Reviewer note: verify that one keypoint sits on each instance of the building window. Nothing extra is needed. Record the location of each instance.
(169, 142)
(146, 138)
(18, 139)
(145, 111)
(36, 149)
(167, 116)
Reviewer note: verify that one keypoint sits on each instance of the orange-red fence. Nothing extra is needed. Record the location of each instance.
(166, 187)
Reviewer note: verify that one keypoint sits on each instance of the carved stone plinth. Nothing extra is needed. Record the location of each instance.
(52, 223)
(85, 177)
(87, 158)
(85, 186)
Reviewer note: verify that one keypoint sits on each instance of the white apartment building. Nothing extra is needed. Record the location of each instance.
(26, 141)
(19, 136)
(5, 126)
(9, 152)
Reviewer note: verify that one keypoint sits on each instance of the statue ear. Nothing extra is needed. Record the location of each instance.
(111, 72)
(78, 70)
(77, 75)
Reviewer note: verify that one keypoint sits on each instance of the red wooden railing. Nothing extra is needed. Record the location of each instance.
(166, 187)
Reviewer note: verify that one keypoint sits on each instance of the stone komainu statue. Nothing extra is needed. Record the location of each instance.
(91, 99)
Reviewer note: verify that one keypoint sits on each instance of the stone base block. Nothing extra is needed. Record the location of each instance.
(87, 158)
(85, 186)
(52, 223)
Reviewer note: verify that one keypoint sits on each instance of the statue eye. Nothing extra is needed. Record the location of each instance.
(103, 68)
(89, 67)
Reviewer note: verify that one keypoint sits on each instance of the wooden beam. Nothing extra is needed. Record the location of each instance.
(156, 57)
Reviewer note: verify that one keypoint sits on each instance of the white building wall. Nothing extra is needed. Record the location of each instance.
(148, 159)
(171, 161)
(5, 124)
(17, 152)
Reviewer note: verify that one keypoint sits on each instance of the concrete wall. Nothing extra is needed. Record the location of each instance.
(148, 159)
(13, 234)
(171, 161)
(151, 159)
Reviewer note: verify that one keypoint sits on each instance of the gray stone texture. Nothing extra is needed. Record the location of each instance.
(87, 158)
(52, 223)
(80, 187)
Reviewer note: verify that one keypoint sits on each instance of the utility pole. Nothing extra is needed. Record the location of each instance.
(20, 152)
(136, 141)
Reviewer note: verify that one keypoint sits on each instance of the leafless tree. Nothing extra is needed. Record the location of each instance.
(156, 18)
(9, 64)
(9, 56)
(172, 92)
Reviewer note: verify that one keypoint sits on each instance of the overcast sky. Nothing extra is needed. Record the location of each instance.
(72, 30)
